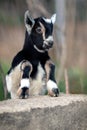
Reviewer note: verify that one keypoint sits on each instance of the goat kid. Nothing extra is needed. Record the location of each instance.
(32, 71)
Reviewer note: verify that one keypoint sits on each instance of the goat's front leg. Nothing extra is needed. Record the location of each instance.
(52, 87)
(23, 91)
(17, 80)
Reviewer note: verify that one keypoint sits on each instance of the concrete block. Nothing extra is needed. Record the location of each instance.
(66, 112)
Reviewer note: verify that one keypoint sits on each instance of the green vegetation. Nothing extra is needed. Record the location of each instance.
(5, 67)
(8, 19)
(1, 89)
(77, 82)
(61, 86)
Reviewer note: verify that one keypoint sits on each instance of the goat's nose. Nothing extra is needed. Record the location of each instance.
(50, 43)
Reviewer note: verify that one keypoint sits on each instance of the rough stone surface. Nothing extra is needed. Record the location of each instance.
(66, 112)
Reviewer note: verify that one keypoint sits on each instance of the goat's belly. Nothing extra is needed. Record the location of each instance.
(38, 85)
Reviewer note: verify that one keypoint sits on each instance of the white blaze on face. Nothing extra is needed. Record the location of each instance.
(47, 40)
(50, 38)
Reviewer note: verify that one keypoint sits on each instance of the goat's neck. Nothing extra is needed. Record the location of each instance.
(28, 42)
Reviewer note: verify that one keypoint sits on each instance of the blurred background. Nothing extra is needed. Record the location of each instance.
(70, 37)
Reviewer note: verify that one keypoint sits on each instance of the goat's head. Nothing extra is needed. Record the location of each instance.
(40, 29)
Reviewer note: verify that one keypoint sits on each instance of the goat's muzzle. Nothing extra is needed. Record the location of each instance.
(47, 45)
(50, 43)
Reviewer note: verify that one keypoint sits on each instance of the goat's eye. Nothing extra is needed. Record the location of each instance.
(38, 30)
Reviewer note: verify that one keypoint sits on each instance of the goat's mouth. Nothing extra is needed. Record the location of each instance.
(43, 49)
(47, 46)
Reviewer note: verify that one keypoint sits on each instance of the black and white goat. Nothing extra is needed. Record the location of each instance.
(32, 71)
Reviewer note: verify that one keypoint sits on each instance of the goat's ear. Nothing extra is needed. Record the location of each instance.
(29, 21)
(53, 18)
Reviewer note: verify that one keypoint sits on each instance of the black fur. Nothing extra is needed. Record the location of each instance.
(31, 54)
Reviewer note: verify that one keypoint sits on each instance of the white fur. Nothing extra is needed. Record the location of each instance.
(50, 38)
(47, 40)
(47, 20)
(51, 20)
(51, 84)
(13, 81)
(9, 83)
(28, 27)
(41, 51)
(36, 86)
(25, 83)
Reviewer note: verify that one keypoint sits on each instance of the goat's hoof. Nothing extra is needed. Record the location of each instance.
(55, 92)
(25, 93)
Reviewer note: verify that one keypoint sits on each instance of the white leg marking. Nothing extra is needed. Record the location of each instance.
(25, 83)
(51, 85)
